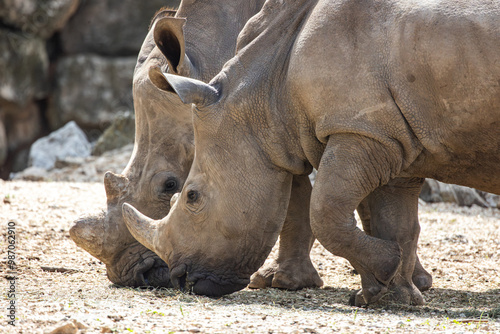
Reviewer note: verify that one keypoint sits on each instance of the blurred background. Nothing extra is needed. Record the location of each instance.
(63, 61)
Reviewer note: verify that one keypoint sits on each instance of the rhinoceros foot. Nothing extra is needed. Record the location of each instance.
(404, 293)
(263, 278)
(368, 295)
(290, 275)
(378, 271)
(422, 279)
(399, 291)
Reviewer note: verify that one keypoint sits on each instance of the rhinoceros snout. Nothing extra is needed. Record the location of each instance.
(137, 266)
(206, 284)
(158, 276)
(210, 288)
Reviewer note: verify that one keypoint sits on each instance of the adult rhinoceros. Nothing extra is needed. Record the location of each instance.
(377, 95)
(163, 151)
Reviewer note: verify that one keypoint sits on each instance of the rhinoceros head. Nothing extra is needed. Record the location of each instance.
(158, 167)
(163, 150)
(223, 224)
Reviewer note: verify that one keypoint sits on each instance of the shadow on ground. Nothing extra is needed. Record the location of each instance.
(448, 303)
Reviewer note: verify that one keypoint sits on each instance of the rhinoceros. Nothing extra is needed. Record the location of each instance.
(375, 94)
(163, 152)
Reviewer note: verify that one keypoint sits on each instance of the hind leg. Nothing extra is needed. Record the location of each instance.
(353, 167)
(394, 216)
(421, 278)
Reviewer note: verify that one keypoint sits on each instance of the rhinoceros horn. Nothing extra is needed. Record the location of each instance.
(144, 229)
(189, 90)
(114, 185)
(88, 234)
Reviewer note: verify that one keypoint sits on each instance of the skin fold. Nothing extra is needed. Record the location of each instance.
(195, 47)
(377, 95)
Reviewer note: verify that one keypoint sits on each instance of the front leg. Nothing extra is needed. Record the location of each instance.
(292, 269)
(351, 168)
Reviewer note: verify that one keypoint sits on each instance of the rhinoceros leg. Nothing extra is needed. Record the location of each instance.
(421, 278)
(292, 269)
(389, 205)
(351, 168)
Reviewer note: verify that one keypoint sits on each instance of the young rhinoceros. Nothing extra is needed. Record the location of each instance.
(377, 95)
(164, 149)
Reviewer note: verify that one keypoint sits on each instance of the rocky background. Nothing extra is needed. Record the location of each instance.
(63, 61)
(66, 75)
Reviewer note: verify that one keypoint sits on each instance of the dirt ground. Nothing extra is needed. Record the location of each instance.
(459, 246)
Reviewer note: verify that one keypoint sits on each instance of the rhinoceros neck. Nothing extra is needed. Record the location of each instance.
(260, 76)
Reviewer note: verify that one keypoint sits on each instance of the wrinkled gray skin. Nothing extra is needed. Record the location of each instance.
(164, 149)
(377, 95)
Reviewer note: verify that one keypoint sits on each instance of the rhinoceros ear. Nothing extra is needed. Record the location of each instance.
(161, 13)
(169, 38)
(189, 90)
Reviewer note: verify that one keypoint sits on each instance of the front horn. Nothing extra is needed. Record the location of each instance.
(88, 233)
(142, 228)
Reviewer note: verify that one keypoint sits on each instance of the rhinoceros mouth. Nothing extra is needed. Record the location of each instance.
(209, 288)
(178, 275)
(204, 283)
(137, 266)
(158, 277)
(154, 277)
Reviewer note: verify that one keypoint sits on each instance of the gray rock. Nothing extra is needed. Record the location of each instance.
(89, 169)
(69, 141)
(34, 174)
(465, 196)
(41, 18)
(493, 200)
(23, 123)
(20, 160)
(21, 126)
(24, 67)
(73, 162)
(119, 134)
(110, 27)
(91, 90)
(435, 191)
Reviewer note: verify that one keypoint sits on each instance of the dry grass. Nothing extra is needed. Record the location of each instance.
(460, 246)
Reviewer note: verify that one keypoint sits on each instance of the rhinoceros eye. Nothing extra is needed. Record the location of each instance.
(192, 196)
(171, 185)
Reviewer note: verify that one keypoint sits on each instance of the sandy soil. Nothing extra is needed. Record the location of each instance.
(460, 246)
